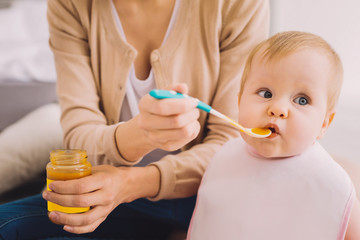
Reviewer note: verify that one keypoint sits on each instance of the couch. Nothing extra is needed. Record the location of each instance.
(29, 130)
(29, 114)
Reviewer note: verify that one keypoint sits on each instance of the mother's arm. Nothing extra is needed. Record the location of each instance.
(242, 25)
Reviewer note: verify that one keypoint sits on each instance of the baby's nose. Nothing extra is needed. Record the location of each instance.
(279, 111)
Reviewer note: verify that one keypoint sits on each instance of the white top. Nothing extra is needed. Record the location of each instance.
(245, 196)
(136, 88)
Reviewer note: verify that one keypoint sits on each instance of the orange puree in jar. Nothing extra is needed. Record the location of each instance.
(67, 165)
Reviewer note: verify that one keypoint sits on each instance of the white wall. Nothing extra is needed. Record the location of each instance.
(24, 49)
(338, 22)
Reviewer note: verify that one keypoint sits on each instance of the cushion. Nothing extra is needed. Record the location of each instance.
(25, 145)
(19, 98)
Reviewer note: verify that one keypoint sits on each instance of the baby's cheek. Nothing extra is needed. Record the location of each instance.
(301, 139)
(248, 117)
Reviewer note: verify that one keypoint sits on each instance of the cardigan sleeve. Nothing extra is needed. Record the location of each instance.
(78, 87)
(243, 24)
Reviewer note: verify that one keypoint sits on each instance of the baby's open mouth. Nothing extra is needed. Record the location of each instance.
(274, 129)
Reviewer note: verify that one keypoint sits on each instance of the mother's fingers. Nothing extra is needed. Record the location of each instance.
(171, 140)
(83, 222)
(179, 87)
(156, 122)
(77, 186)
(80, 219)
(166, 107)
(80, 200)
(186, 133)
(85, 228)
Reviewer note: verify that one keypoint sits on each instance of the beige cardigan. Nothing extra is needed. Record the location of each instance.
(205, 49)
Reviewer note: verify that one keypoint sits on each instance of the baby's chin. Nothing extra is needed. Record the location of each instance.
(266, 150)
(272, 152)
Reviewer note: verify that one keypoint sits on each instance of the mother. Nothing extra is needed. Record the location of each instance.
(108, 55)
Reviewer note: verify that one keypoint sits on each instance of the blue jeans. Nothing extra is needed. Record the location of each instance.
(142, 219)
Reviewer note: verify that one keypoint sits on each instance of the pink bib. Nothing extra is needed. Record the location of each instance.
(244, 196)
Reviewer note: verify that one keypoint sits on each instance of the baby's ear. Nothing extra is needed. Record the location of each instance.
(327, 121)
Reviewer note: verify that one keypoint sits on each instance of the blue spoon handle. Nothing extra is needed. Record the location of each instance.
(161, 94)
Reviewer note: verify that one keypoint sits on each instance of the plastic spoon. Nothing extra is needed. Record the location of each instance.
(253, 132)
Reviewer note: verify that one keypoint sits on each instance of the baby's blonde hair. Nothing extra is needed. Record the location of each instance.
(285, 43)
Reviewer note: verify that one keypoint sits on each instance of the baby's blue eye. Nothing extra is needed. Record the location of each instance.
(301, 101)
(265, 94)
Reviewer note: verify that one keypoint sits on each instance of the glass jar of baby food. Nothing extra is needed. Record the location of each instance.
(67, 165)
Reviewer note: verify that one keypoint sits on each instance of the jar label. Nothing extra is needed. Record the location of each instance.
(55, 207)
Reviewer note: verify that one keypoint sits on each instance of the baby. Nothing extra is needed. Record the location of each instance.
(285, 186)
